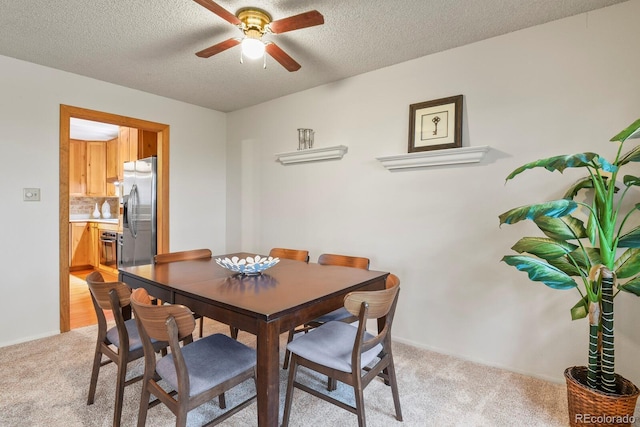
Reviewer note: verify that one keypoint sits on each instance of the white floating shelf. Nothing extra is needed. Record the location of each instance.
(312, 155)
(423, 159)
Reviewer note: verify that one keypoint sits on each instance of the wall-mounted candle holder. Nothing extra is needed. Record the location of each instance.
(305, 138)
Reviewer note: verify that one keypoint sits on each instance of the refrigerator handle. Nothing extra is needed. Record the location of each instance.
(125, 211)
(133, 206)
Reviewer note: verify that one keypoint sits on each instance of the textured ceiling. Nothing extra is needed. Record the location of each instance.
(150, 45)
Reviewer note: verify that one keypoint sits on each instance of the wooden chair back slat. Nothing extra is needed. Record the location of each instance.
(154, 317)
(373, 305)
(294, 254)
(183, 256)
(391, 281)
(344, 261)
(100, 291)
(379, 302)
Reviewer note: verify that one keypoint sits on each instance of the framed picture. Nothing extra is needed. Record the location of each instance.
(435, 125)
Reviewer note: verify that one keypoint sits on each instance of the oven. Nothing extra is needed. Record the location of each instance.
(108, 248)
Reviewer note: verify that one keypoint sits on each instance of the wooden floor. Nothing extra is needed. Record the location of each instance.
(82, 312)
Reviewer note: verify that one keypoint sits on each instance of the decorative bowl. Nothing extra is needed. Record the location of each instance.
(249, 266)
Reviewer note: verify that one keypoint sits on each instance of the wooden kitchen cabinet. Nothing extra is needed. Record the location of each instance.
(96, 168)
(88, 168)
(128, 148)
(113, 159)
(132, 147)
(95, 244)
(82, 245)
(135, 144)
(84, 248)
(95, 165)
(147, 144)
(77, 168)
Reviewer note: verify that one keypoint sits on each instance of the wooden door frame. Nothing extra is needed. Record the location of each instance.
(66, 113)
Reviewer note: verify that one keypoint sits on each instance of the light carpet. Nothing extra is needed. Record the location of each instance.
(45, 383)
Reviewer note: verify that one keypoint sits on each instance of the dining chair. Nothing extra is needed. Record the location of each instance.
(197, 372)
(185, 256)
(348, 352)
(293, 254)
(338, 314)
(121, 344)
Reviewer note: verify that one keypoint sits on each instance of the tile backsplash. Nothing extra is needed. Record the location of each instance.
(86, 205)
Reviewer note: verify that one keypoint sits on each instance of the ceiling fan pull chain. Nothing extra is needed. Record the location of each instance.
(241, 57)
(264, 61)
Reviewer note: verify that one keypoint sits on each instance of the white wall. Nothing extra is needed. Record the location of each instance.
(29, 144)
(563, 87)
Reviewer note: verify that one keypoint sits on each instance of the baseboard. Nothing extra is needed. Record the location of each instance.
(30, 338)
(555, 380)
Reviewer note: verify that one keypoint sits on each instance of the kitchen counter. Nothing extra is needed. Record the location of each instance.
(89, 218)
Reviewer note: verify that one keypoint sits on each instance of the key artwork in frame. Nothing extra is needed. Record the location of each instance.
(435, 125)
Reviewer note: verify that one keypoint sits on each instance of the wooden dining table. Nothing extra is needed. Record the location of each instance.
(286, 295)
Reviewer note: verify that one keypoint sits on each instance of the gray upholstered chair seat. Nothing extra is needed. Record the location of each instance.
(135, 343)
(338, 314)
(331, 345)
(210, 360)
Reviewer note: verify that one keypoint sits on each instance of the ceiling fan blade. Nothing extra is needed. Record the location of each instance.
(281, 56)
(296, 22)
(220, 11)
(217, 48)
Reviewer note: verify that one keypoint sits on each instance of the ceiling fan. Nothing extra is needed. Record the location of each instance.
(254, 23)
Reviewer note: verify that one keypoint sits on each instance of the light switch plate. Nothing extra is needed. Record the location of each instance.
(31, 194)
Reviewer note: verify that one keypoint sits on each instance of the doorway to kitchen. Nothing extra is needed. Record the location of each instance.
(162, 132)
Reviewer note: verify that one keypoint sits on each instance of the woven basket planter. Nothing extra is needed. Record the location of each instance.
(588, 407)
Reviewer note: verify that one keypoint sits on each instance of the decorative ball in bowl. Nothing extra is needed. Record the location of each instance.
(249, 266)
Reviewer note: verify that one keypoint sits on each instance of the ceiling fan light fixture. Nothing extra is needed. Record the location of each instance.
(255, 23)
(252, 48)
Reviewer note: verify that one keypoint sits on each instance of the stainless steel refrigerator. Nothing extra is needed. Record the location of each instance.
(138, 244)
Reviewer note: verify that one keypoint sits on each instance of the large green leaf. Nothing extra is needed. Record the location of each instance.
(630, 239)
(540, 271)
(630, 180)
(631, 156)
(557, 163)
(592, 228)
(565, 228)
(555, 209)
(581, 309)
(628, 264)
(543, 248)
(600, 187)
(566, 266)
(582, 183)
(587, 257)
(632, 286)
(631, 131)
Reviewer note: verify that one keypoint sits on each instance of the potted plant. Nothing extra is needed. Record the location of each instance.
(590, 245)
